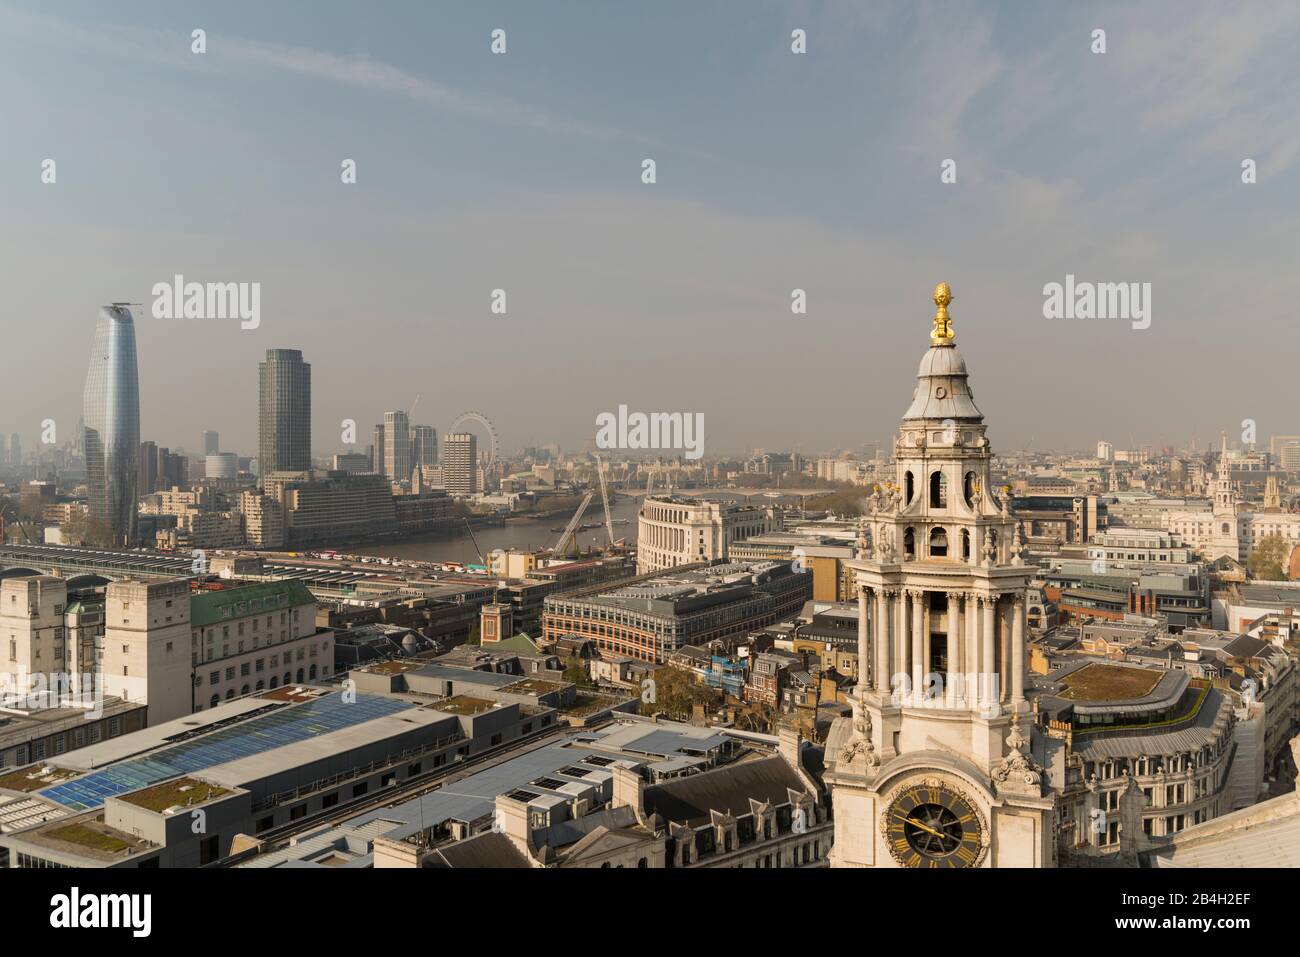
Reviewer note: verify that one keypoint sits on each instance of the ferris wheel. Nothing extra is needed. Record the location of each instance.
(487, 426)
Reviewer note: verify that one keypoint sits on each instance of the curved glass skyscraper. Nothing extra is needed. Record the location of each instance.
(111, 409)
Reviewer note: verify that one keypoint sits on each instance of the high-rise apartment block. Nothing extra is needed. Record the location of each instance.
(460, 463)
(284, 412)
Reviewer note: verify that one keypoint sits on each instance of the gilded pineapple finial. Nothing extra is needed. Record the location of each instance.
(942, 334)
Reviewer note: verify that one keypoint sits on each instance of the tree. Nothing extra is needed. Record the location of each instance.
(575, 671)
(1268, 558)
(81, 529)
(676, 693)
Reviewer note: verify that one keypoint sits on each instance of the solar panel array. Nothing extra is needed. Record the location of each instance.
(263, 733)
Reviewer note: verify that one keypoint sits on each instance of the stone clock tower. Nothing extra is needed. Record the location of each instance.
(936, 766)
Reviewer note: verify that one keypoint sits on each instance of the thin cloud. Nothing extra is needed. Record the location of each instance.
(229, 54)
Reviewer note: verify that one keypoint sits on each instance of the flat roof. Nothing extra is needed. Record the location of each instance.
(179, 792)
(1103, 682)
(275, 727)
(18, 725)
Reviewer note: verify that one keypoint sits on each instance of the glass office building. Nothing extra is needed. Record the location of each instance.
(111, 428)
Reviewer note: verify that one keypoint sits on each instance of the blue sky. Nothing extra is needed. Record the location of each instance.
(775, 171)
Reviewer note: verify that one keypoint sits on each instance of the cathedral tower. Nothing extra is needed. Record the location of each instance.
(936, 767)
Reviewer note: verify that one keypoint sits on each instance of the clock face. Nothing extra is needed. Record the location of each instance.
(932, 825)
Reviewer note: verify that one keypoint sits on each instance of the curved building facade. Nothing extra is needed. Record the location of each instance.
(283, 413)
(111, 437)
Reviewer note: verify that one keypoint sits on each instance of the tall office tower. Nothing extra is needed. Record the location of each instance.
(15, 450)
(397, 446)
(460, 463)
(111, 410)
(211, 443)
(377, 451)
(424, 446)
(147, 465)
(284, 413)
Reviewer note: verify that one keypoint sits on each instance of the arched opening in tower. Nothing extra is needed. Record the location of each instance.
(939, 542)
(938, 490)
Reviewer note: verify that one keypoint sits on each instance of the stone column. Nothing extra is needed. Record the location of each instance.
(927, 625)
(986, 653)
(902, 646)
(1018, 650)
(863, 631)
(918, 642)
(882, 636)
(972, 646)
(1004, 646)
(954, 648)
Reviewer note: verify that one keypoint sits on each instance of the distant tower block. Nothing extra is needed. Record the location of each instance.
(496, 623)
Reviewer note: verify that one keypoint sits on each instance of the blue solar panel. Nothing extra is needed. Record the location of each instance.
(263, 733)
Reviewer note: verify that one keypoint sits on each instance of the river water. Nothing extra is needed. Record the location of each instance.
(521, 535)
(536, 533)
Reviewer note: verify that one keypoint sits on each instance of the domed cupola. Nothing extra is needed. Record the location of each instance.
(942, 390)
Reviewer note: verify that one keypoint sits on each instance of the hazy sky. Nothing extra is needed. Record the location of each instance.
(775, 171)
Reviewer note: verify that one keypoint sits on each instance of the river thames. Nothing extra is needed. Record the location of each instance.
(536, 533)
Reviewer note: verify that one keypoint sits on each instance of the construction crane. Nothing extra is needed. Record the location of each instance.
(574, 522)
(604, 498)
(470, 529)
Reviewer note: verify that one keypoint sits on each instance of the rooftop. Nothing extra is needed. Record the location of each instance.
(1105, 682)
(181, 792)
(34, 777)
(88, 837)
(212, 607)
(463, 704)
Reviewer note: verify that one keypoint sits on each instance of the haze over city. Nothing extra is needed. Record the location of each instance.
(775, 172)
(612, 438)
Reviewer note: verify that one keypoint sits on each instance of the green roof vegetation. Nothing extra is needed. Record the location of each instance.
(534, 686)
(31, 778)
(1102, 682)
(231, 604)
(89, 837)
(395, 667)
(181, 791)
(585, 704)
(463, 704)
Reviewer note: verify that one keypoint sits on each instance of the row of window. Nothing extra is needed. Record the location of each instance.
(309, 674)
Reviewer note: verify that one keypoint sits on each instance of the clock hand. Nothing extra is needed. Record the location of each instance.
(924, 827)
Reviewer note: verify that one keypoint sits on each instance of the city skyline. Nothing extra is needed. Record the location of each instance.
(1067, 164)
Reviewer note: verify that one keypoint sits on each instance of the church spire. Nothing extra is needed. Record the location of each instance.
(942, 334)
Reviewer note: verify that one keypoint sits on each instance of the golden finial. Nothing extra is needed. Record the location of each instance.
(942, 334)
